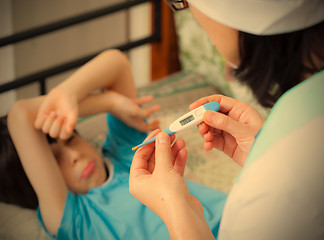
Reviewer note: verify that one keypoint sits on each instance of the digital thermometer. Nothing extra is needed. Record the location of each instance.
(192, 118)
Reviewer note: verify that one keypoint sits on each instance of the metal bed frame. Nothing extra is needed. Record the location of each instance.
(41, 76)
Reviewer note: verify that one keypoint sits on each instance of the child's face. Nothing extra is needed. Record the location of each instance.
(81, 166)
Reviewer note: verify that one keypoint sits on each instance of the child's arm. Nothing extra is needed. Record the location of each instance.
(125, 109)
(109, 70)
(37, 158)
(38, 161)
(32, 147)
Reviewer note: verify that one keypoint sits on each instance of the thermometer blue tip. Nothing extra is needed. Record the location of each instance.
(167, 130)
(144, 143)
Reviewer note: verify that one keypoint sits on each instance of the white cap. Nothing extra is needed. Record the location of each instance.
(263, 17)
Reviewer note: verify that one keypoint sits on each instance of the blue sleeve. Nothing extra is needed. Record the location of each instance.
(120, 139)
(70, 223)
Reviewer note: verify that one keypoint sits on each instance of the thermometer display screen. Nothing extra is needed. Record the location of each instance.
(187, 120)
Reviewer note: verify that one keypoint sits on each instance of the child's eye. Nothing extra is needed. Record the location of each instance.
(70, 139)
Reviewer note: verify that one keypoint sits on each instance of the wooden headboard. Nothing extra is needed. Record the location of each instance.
(165, 53)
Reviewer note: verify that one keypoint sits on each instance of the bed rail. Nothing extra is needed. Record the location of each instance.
(41, 76)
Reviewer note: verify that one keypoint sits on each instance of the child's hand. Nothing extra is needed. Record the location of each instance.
(130, 112)
(58, 114)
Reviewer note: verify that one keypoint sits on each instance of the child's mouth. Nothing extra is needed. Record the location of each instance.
(88, 170)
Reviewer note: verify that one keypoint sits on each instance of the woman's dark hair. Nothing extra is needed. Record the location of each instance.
(15, 187)
(271, 65)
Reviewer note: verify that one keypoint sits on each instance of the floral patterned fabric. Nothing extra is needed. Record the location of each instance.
(197, 54)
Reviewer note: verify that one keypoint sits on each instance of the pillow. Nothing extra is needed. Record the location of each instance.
(19, 223)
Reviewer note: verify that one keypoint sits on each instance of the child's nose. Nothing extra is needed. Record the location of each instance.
(74, 161)
(74, 156)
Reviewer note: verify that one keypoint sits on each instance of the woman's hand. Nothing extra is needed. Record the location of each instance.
(156, 180)
(58, 114)
(160, 169)
(232, 129)
(131, 113)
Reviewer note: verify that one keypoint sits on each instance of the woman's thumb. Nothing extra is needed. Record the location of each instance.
(163, 151)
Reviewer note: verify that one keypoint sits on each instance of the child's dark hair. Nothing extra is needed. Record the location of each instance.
(15, 187)
(271, 65)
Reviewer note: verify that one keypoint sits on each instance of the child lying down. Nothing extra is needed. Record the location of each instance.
(80, 193)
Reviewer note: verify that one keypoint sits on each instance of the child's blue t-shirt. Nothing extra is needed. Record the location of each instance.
(109, 211)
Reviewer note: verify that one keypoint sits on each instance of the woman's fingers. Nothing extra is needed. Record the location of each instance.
(226, 103)
(223, 122)
(241, 113)
(181, 161)
(208, 146)
(179, 154)
(167, 157)
(176, 147)
(142, 156)
(163, 155)
(150, 152)
(203, 128)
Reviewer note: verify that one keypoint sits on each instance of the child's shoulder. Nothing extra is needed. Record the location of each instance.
(122, 134)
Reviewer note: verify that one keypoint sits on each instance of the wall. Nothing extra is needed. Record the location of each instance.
(77, 41)
(140, 26)
(6, 57)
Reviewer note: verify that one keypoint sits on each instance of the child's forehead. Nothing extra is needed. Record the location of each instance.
(59, 146)
(51, 140)
(61, 142)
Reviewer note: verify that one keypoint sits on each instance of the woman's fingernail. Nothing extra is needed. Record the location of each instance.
(163, 137)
